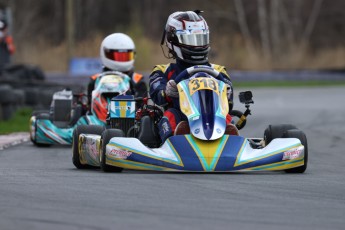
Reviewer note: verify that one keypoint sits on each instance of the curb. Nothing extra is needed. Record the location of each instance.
(13, 139)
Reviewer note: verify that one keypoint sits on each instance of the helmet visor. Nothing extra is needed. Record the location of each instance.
(193, 37)
(119, 55)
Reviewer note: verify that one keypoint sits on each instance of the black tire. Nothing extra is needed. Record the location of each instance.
(41, 116)
(32, 96)
(76, 115)
(106, 136)
(6, 94)
(295, 133)
(8, 111)
(276, 131)
(89, 129)
(19, 97)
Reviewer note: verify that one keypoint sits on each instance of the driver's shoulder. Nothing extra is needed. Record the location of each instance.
(162, 68)
(220, 69)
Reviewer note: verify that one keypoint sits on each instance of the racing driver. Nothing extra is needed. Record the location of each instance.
(186, 35)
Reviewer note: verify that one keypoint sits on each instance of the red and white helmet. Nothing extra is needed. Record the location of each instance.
(187, 36)
(117, 52)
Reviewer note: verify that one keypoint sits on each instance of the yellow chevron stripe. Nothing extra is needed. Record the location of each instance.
(279, 165)
(208, 152)
(179, 163)
(127, 164)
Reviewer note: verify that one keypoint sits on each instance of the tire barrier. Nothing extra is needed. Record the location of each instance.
(22, 85)
(7, 102)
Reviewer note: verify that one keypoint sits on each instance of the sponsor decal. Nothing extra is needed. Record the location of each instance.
(218, 130)
(292, 154)
(165, 127)
(122, 107)
(197, 131)
(119, 153)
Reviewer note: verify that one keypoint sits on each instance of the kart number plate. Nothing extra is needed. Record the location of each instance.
(201, 84)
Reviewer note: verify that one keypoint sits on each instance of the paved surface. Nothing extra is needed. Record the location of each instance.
(41, 189)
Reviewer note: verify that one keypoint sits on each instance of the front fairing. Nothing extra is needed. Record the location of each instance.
(189, 154)
(204, 102)
(106, 87)
(112, 83)
(44, 131)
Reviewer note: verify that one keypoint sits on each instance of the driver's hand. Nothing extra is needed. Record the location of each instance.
(228, 90)
(171, 89)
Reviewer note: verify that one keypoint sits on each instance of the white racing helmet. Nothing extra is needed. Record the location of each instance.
(186, 35)
(117, 52)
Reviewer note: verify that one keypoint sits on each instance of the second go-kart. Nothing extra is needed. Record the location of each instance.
(69, 110)
(206, 143)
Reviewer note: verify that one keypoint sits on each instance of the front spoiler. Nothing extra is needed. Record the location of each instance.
(188, 154)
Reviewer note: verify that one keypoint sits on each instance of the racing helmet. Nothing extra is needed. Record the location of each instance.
(186, 35)
(3, 25)
(117, 52)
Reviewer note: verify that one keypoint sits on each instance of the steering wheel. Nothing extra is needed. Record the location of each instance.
(196, 69)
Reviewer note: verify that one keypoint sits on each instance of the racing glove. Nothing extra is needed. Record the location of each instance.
(171, 89)
(228, 91)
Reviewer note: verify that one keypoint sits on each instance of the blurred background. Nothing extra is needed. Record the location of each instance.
(245, 34)
(57, 41)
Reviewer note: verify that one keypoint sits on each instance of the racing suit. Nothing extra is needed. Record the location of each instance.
(137, 85)
(159, 77)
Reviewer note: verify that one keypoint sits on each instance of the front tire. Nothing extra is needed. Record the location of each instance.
(87, 129)
(276, 131)
(295, 133)
(288, 131)
(106, 136)
(39, 116)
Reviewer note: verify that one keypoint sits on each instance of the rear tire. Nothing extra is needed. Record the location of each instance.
(87, 129)
(295, 133)
(106, 136)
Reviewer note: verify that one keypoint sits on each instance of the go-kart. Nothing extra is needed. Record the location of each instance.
(204, 146)
(69, 110)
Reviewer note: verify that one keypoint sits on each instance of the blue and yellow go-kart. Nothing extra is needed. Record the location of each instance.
(68, 110)
(206, 147)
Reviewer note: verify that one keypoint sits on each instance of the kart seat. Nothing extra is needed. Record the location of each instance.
(182, 128)
(231, 130)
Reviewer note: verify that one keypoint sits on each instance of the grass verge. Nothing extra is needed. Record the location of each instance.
(18, 123)
(288, 83)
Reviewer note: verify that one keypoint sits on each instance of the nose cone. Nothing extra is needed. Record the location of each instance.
(208, 130)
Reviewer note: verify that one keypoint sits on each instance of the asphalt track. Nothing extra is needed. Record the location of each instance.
(41, 189)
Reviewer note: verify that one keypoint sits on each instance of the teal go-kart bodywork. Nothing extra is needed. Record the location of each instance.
(69, 110)
(206, 147)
